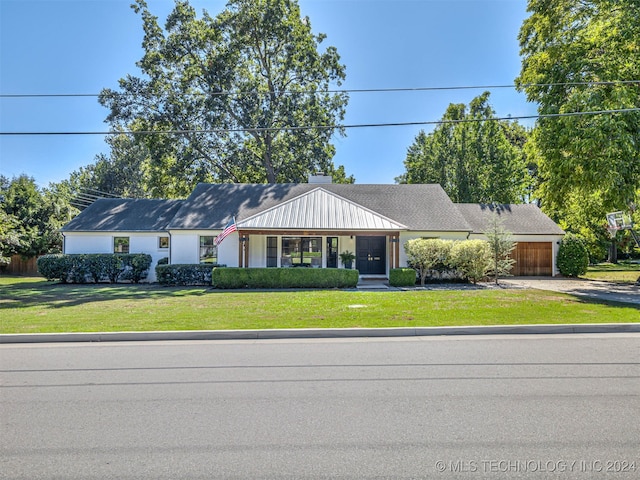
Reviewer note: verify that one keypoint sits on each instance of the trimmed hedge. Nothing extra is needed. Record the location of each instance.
(402, 277)
(284, 278)
(184, 274)
(95, 267)
(573, 256)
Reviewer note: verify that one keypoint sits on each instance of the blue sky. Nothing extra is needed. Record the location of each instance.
(82, 46)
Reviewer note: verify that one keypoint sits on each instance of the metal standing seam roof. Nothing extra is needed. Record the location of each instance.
(319, 209)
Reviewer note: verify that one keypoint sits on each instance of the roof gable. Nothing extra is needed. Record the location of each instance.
(320, 209)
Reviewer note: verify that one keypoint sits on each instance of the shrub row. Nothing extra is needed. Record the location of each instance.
(184, 274)
(402, 277)
(284, 278)
(466, 259)
(95, 267)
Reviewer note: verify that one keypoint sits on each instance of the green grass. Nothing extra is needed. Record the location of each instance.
(618, 273)
(29, 305)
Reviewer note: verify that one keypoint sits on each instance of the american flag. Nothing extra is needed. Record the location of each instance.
(230, 228)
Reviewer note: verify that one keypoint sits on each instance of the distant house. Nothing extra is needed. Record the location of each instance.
(304, 224)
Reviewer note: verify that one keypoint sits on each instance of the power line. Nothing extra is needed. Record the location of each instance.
(350, 90)
(324, 127)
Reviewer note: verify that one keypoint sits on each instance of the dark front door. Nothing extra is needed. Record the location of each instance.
(370, 255)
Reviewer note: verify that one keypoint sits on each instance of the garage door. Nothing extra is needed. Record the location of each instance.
(532, 259)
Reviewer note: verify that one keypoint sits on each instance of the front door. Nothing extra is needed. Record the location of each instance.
(371, 255)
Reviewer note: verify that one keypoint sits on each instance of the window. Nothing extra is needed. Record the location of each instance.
(120, 244)
(208, 250)
(332, 252)
(301, 252)
(272, 251)
(163, 242)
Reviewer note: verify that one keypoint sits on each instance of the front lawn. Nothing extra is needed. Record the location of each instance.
(29, 305)
(623, 272)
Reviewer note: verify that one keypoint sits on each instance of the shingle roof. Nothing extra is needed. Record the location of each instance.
(525, 219)
(124, 214)
(383, 207)
(319, 209)
(418, 207)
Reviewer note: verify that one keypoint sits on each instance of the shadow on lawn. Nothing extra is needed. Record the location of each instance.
(58, 295)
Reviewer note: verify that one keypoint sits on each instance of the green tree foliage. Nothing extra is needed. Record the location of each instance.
(124, 172)
(9, 238)
(426, 255)
(501, 245)
(568, 46)
(573, 257)
(471, 258)
(239, 87)
(474, 158)
(34, 215)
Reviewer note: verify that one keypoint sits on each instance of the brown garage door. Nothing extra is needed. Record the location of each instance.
(532, 258)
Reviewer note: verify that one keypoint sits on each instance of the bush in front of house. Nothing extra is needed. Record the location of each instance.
(180, 274)
(275, 278)
(402, 277)
(54, 266)
(96, 267)
(471, 259)
(573, 256)
(428, 256)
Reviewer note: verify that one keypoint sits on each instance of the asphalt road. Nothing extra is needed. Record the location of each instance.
(561, 406)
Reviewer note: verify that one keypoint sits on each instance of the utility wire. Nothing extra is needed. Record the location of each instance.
(352, 90)
(325, 127)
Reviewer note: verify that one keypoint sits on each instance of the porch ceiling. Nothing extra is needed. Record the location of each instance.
(320, 209)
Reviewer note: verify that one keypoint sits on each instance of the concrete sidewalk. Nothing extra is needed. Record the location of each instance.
(606, 291)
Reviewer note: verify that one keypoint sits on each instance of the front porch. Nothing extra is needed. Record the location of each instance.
(375, 252)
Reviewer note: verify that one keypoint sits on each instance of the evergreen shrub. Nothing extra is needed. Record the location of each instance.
(184, 274)
(96, 267)
(276, 278)
(573, 257)
(402, 277)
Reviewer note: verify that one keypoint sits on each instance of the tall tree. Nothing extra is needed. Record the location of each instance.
(569, 48)
(124, 172)
(34, 216)
(241, 90)
(473, 156)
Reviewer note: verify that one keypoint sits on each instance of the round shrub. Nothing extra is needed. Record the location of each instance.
(573, 257)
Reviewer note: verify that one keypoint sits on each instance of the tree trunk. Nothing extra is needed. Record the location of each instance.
(613, 252)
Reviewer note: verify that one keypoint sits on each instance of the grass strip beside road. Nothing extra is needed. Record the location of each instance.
(31, 305)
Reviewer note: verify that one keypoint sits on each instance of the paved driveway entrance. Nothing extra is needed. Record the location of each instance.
(612, 292)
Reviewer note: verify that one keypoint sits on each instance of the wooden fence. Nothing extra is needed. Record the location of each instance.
(20, 266)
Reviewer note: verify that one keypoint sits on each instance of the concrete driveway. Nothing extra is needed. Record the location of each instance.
(612, 292)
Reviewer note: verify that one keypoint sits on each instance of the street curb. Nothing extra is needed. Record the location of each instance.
(317, 333)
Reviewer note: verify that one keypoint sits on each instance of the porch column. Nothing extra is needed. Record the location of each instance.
(394, 250)
(245, 248)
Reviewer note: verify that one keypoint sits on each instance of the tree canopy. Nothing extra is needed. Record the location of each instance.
(31, 217)
(584, 56)
(239, 90)
(473, 156)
